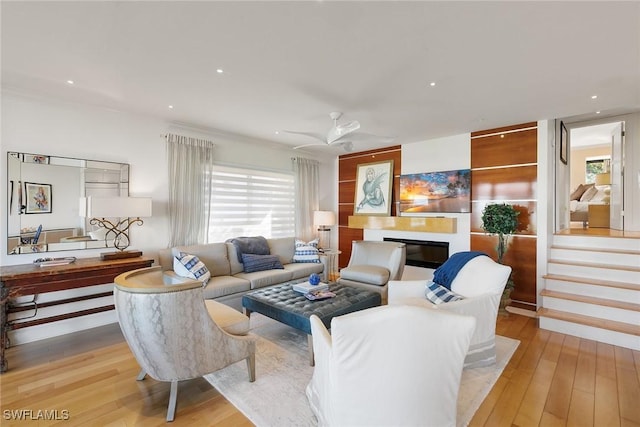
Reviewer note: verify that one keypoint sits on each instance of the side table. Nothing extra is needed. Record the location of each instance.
(329, 259)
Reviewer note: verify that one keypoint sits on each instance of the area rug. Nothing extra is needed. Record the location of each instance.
(277, 397)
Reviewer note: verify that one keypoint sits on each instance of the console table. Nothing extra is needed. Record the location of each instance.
(32, 279)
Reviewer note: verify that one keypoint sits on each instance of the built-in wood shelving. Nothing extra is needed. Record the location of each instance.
(404, 223)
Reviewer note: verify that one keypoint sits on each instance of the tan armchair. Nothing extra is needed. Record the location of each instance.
(389, 365)
(172, 333)
(373, 264)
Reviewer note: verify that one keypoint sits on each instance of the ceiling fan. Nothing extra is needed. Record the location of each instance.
(335, 136)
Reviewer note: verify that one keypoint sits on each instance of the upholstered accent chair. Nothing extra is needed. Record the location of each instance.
(375, 369)
(480, 282)
(174, 334)
(373, 264)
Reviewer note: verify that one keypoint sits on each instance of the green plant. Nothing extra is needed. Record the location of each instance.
(502, 220)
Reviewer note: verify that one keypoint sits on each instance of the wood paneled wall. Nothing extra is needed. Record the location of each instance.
(347, 169)
(504, 170)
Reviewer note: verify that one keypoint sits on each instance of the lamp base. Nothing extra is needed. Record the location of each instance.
(108, 256)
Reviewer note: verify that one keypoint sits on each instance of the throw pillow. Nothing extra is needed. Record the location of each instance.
(306, 251)
(257, 245)
(439, 294)
(588, 195)
(254, 262)
(578, 192)
(190, 266)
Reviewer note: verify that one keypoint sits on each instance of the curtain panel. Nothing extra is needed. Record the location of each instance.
(190, 165)
(307, 185)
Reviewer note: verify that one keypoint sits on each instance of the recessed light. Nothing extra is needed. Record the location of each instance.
(219, 71)
(70, 82)
(277, 132)
(597, 112)
(594, 96)
(502, 135)
(432, 84)
(171, 107)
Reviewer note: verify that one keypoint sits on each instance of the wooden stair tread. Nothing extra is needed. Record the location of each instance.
(591, 300)
(589, 281)
(625, 328)
(607, 250)
(594, 265)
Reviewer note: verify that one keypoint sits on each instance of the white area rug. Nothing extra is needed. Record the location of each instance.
(277, 397)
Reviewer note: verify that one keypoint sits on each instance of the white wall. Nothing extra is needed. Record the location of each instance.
(56, 128)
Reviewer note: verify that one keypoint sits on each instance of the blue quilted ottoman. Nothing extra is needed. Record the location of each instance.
(287, 306)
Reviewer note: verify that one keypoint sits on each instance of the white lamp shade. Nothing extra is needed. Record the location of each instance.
(115, 207)
(603, 178)
(324, 218)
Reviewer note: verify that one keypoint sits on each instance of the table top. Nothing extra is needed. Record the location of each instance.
(86, 264)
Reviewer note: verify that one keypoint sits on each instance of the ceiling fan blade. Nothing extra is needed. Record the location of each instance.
(309, 145)
(338, 131)
(314, 135)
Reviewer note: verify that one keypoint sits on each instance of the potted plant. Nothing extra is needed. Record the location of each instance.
(501, 219)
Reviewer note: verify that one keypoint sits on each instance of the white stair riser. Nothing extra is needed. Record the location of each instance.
(608, 292)
(586, 309)
(595, 256)
(610, 274)
(597, 243)
(590, 332)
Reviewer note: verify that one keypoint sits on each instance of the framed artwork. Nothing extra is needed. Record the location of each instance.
(564, 135)
(373, 188)
(37, 198)
(446, 191)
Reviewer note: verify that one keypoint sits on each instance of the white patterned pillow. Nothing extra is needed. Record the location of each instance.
(438, 294)
(190, 266)
(306, 251)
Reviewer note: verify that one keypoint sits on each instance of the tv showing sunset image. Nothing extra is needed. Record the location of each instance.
(447, 191)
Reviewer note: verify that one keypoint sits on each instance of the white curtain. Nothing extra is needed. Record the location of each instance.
(190, 165)
(307, 184)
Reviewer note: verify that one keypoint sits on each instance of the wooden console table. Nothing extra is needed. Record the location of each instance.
(31, 279)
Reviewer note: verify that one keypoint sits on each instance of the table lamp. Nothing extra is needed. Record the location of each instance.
(324, 220)
(116, 215)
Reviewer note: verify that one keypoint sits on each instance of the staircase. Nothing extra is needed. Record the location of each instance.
(592, 289)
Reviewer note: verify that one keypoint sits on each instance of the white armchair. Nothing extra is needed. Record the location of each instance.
(481, 281)
(373, 264)
(375, 370)
(173, 334)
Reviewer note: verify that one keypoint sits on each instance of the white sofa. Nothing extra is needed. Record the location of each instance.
(481, 281)
(228, 280)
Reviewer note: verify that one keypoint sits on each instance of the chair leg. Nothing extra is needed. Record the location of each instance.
(141, 375)
(251, 367)
(173, 399)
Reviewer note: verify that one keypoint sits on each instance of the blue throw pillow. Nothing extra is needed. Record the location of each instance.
(254, 263)
(190, 266)
(439, 294)
(306, 251)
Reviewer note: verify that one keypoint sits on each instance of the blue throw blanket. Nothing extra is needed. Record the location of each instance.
(447, 272)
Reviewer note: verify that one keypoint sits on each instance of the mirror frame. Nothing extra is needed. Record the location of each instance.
(94, 178)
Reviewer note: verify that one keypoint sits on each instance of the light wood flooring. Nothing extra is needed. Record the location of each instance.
(552, 379)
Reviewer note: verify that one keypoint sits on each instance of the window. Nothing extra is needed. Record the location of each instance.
(594, 166)
(249, 202)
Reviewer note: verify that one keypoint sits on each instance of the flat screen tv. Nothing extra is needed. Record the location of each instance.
(446, 191)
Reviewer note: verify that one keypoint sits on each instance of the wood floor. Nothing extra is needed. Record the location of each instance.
(552, 379)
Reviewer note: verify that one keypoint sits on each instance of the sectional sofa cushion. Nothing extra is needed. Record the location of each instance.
(213, 255)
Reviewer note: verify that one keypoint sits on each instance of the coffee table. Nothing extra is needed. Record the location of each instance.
(282, 303)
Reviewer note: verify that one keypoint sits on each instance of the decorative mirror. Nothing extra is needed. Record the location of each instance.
(44, 201)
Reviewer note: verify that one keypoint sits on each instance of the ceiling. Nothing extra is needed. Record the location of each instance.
(286, 65)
